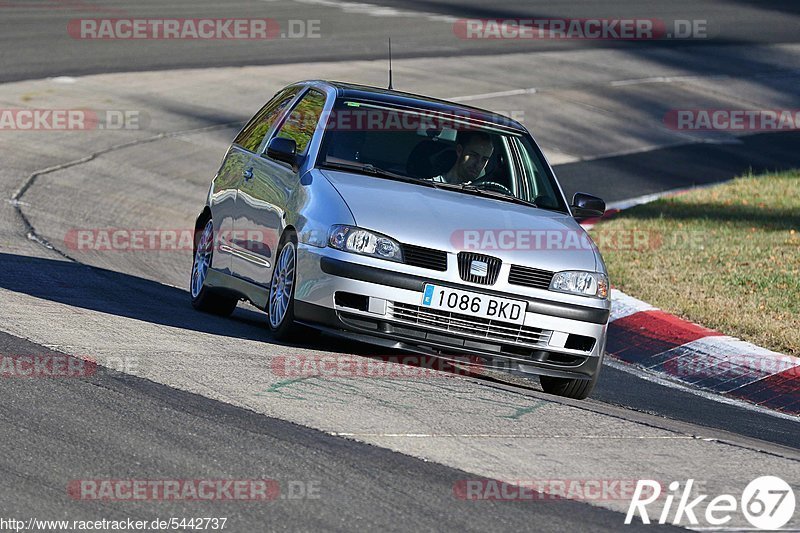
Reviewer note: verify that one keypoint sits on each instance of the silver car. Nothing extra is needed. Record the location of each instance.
(407, 222)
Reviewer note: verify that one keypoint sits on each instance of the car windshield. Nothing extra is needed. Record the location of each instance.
(455, 152)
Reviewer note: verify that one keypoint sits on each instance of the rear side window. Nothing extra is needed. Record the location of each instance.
(251, 136)
(302, 121)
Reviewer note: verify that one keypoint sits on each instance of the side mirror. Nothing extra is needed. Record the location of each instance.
(585, 206)
(281, 149)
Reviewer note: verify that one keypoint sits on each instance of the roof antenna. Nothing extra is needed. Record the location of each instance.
(390, 64)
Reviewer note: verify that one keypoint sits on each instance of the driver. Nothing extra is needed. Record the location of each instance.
(473, 151)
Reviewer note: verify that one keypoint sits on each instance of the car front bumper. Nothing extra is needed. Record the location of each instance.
(380, 305)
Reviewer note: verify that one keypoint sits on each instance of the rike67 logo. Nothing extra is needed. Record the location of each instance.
(767, 502)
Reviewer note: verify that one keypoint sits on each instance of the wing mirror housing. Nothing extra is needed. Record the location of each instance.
(586, 206)
(282, 149)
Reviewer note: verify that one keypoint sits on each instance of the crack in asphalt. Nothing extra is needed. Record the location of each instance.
(16, 198)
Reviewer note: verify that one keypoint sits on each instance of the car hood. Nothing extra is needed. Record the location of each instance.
(454, 221)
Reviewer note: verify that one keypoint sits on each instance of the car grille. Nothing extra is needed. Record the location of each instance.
(465, 260)
(424, 257)
(530, 277)
(465, 325)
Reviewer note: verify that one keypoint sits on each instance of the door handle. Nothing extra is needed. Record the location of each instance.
(247, 173)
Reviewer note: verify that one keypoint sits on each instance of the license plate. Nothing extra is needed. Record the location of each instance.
(473, 304)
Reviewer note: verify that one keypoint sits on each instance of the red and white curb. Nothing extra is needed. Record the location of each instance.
(701, 358)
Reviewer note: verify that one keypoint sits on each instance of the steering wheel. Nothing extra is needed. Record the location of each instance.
(493, 185)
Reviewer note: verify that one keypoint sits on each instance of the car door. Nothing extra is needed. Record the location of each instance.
(238, 164)
(265, 196)
(222, 201)
(235, 164)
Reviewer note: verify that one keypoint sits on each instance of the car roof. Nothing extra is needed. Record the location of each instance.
(388, 96)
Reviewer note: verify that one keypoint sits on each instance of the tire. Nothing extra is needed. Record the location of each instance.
(204, 298)
(577, 389)
(280, 302)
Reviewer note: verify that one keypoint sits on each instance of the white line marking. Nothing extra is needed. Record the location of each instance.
(510, 436)
(498, 94)
(613, 83)
(647, 198)
(373, 10)
(712, 528)
(665, 79)
(63, 79)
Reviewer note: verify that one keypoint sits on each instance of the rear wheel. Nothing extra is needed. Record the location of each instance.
(204, 298)
(280, 305)
(578, 389)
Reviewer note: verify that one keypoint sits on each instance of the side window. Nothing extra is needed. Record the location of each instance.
(251, 136)
(302, 121)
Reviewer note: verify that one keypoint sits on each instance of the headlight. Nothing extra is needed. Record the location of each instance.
(579, 282)
(364, 242)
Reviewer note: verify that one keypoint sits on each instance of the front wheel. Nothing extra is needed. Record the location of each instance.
(280, 305)
(578, 389)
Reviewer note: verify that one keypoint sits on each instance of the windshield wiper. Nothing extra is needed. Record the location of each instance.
(478, 191)
(372, 170)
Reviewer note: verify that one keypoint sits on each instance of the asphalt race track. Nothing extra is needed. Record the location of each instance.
(35, 43)
(183, 395)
